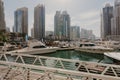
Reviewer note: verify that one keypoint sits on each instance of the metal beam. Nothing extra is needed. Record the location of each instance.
(63, 69)
(69, 72)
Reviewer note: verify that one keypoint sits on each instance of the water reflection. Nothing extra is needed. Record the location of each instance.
(50, 62)
(79, 56)
(66, 55)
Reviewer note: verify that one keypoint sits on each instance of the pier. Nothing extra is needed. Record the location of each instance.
(30, 67)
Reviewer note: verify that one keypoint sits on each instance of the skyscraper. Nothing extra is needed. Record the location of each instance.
(107, 14)
(32, 32)
(21, 20)
(115, 22)
(113, 27)
(116, 18)
(39, 22)
(62, 25)
(87, 34)
(74, 32)
(57, 24)
(7, 29)
(2, 19)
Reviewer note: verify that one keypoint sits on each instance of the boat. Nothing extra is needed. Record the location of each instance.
(92, 48)
(35, 47)
(115, 56)
(4, 47)
(64, 45)
(111, 44)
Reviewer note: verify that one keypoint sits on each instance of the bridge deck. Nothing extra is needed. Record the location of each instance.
(8, 73)
(64, 67)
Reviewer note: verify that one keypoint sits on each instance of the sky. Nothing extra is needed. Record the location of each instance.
(83, 13)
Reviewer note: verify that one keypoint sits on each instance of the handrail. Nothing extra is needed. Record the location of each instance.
(64, 66)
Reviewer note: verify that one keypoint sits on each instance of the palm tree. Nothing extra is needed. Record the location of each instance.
(3, 36)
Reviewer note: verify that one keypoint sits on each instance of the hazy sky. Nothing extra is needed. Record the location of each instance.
(83, 13)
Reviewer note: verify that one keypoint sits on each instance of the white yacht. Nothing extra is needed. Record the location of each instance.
(92, 48)
(35, 47)
(5, 47)
(114, 55)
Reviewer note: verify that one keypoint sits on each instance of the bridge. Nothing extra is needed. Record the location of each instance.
(15, 66)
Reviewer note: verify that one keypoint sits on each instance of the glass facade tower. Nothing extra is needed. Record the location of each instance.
(39, 22)
(21, 20)
(2, 19)
(62, 25)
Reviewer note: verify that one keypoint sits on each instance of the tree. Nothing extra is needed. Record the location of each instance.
(3, 36)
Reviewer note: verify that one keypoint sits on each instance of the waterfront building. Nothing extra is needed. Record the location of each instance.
(21, 20)
(62, 25)
(7, 29)
(32, 32)
(115, 22)
(15, 37)
(49, 33)
(87, 34)
(106, 16)
(39, 22)
(101, 25)
(74, 32)
(57, 23)
(2, 19)
(113, 27)
(116, 18)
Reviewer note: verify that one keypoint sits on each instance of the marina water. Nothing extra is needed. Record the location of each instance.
(82, 56)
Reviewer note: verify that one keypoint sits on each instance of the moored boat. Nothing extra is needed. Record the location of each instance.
(92, 48)
(35, 47)
(115, 56)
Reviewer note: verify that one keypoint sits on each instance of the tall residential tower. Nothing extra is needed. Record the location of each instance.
(39, 22)
(62, 25)
(74, 32)
(2, 19)
(115, 22)
(116, 18)
(21, 20)
(106, 16)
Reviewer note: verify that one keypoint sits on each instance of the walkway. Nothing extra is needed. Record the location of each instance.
(31, 67)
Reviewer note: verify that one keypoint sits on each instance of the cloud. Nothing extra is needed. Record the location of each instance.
(9, 22)
(88, 20)
(92, 22)
(50, 21)
(89, 15)
(84, 13)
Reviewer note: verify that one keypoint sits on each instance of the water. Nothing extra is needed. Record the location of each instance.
(82, 56)
(70, 54)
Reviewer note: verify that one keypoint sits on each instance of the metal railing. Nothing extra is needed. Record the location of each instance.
(64, 67)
